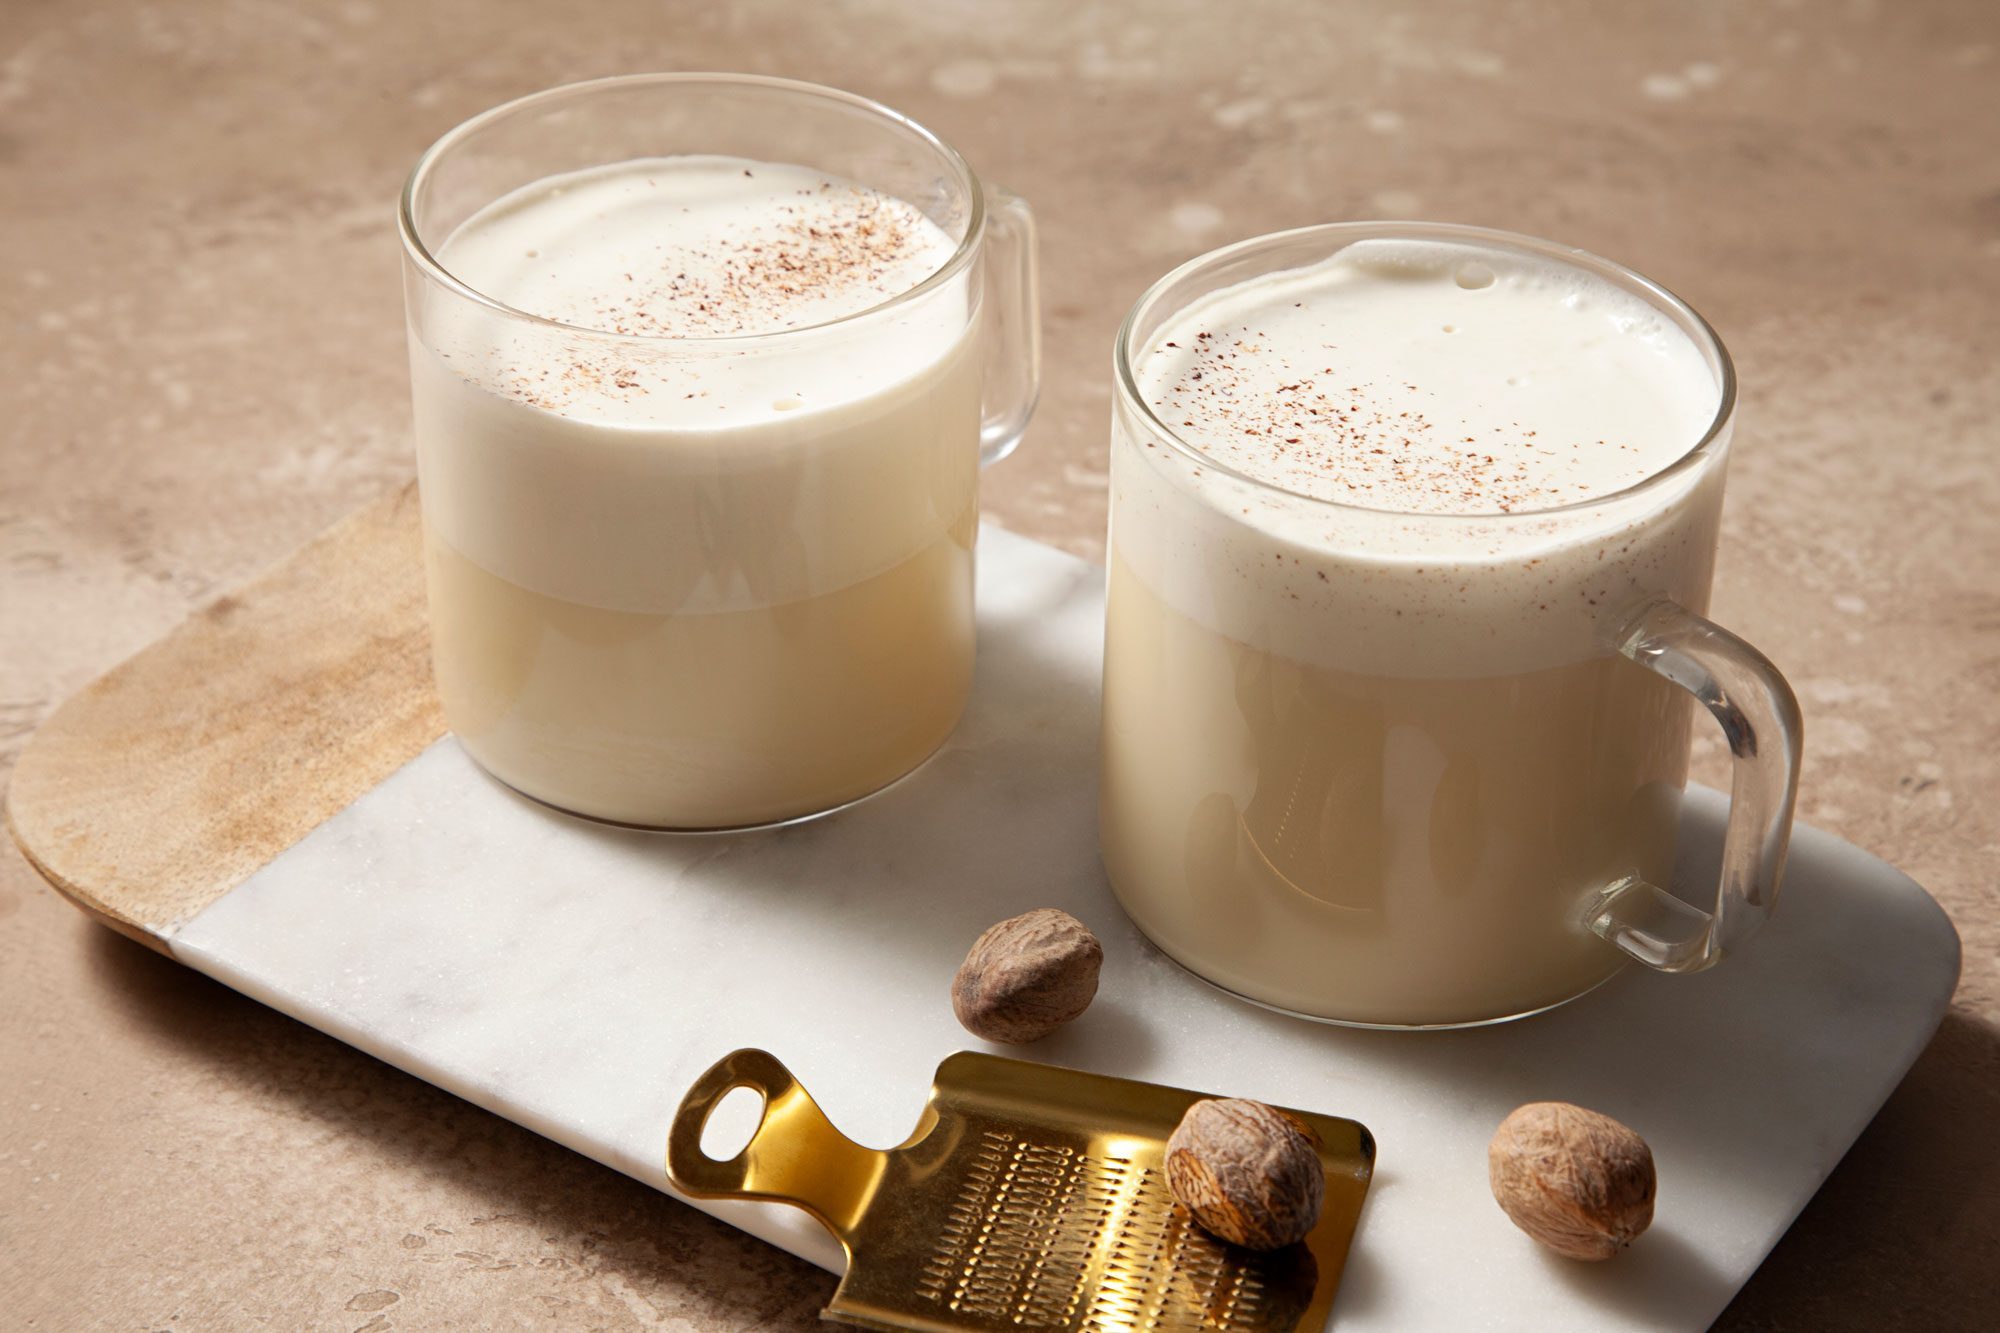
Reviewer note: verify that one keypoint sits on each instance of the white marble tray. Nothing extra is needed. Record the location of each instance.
(576, 979)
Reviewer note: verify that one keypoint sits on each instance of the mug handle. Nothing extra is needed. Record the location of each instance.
(1760, 718)
(1013, 338)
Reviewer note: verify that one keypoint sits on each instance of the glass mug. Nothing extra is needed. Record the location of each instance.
(656, 619)
(1408, 827)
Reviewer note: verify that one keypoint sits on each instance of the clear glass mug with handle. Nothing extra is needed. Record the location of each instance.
(1413, 769)
(722, 578)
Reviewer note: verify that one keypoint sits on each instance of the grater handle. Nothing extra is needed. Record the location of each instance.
(794, 1156)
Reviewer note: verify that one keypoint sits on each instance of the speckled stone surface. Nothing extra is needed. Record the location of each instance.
(201, 364)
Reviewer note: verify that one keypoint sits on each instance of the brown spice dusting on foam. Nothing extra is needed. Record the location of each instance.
(1360, 439)
(841, 247)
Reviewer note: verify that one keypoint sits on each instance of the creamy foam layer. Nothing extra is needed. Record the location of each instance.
(1446, 398)
(694, 469)
(696, 247)
(1431, 378)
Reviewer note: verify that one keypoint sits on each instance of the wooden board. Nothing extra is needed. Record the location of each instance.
(173, 777)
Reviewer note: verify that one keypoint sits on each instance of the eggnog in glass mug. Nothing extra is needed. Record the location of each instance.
(704, 368)
(1412, 532)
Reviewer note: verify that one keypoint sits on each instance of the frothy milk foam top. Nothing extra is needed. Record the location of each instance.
(698, 247)
(829, 458)
(1458, 391)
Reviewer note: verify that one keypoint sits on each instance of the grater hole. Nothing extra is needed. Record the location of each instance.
(732, 1124)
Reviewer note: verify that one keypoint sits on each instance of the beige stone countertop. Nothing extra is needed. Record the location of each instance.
(201, 365)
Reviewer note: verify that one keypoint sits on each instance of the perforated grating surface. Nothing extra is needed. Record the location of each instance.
(1044, 1236)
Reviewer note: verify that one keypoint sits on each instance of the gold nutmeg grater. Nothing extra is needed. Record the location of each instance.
(1029, 1197)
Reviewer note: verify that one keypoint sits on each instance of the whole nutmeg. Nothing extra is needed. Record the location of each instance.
(1027, 976)
(1248, 1172)
(1578, 1182)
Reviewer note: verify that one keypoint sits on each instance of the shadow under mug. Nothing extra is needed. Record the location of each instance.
(737, 621)
(1457, 816)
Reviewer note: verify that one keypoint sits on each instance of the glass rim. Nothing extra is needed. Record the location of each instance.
(432, 268)
(1631, 280)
